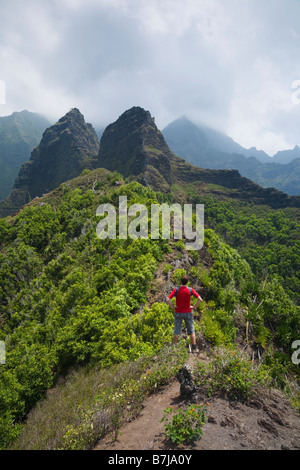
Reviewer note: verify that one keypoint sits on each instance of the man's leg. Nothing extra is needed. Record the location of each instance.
(193, 338)
(191, 331)
(177, 328)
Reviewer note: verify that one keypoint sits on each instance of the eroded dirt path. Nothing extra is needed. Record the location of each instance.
(146, 432)
(266, 422)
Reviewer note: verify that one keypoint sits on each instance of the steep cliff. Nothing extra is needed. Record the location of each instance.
(66, 149)
(135, 147)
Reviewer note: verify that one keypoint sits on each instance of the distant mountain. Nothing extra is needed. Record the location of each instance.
(66, 149)
(208, 148)
(219, 141)
(182, 135)
(135, 147)
(99, 131)
(20, 133)
(287, 156)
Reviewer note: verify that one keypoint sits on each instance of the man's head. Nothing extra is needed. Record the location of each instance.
(184, 280)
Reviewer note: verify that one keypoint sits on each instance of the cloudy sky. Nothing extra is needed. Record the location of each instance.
(231, 64)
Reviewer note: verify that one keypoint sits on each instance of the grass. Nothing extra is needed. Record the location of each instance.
(232, 374)
(91, 403)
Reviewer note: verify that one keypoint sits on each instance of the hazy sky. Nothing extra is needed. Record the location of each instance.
(231, 64)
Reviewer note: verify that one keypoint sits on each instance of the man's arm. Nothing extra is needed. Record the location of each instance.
(193, 307)
(168, 299)
(169, 302)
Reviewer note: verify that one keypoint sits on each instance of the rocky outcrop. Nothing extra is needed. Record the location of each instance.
(66, 149)
(135, 147)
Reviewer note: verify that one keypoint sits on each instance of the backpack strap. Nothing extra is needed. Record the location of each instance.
(177, 289)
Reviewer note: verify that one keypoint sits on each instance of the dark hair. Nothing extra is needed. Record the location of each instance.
(184, 280)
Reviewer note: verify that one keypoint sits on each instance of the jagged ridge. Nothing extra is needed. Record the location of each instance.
(19, 134)
(135, 147)
(66, 149)
(132, 146)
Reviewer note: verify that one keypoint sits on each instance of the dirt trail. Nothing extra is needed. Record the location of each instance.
(146, 432)
(266, 422)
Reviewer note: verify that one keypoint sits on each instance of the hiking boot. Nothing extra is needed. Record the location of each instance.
(195, 349)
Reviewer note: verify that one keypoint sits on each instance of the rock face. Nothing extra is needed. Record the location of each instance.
(66, 149)
(134, 147)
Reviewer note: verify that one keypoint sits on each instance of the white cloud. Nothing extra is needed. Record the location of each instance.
(230, 64)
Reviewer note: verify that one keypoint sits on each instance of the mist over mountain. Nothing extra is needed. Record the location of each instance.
(136, 148)
(287, 156)
(208, 148)
(188, 136)
(20, 133)
(82, 316)
(66, 149)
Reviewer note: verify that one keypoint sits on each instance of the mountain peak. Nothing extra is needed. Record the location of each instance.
(136, 111)
(72, 118)
(134, 146)
(73, 113)
(66, 149)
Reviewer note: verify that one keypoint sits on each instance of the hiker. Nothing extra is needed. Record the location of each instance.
(183, 310)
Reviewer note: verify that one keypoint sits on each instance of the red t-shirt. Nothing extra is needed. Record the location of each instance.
(183, 299)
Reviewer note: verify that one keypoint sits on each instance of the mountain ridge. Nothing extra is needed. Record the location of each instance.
(208, 148)
(135, 147)
(90, 298)
(213, 138)
(74, 307)
(20, 133)
(65, 150)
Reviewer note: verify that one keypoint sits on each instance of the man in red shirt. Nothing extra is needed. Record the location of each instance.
(183, 310)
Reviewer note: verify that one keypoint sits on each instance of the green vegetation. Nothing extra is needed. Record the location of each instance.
(232, 374)
(269, 240)
(67, 298)
(93, 402)
(74, 313)
(186, 424)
